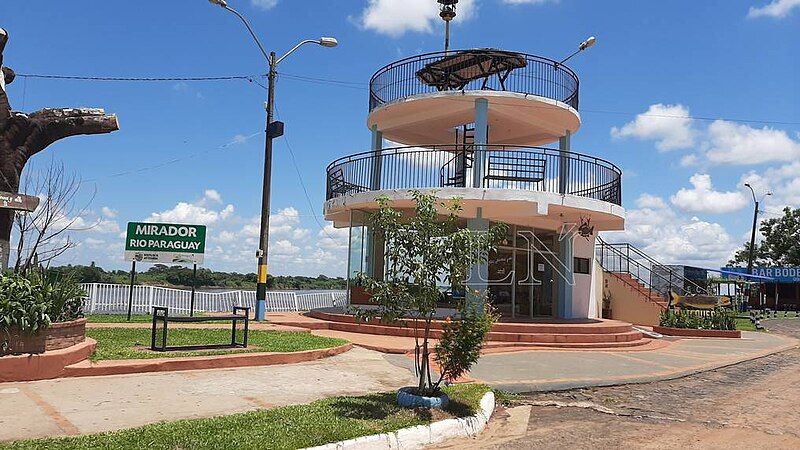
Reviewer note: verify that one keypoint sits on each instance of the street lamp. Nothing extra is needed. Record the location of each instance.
(753, 233)
(583, 46)
(274, 129)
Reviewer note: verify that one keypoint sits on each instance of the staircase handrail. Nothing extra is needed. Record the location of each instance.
(671, 279)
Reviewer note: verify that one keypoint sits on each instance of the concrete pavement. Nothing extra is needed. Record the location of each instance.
(544, 370)
(71, 406)
(94, 404)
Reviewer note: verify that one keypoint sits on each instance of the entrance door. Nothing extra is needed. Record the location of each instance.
(500, 267)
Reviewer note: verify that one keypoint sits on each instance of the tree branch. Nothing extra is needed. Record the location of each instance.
(54, 124)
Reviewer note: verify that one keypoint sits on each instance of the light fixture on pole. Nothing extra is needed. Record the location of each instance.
(751, 253)
(447, 11)
(583, 46)
(273, 130)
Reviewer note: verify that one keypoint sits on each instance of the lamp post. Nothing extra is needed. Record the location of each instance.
(751, 253)
(273, 129)
(583, 46)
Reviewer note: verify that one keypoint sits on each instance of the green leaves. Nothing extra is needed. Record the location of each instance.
(427, 251)
(718, 319)
(30, 302)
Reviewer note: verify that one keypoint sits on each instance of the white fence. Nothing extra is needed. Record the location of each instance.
(113, 298)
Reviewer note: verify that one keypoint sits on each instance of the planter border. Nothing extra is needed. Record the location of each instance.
(422, 435)
(43, 366)
(128, 366)
(692, 332)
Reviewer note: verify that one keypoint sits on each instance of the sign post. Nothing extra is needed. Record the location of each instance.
(164, 243)
(19, 202)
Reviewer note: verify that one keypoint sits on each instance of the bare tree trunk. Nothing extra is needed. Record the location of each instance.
(22, 136)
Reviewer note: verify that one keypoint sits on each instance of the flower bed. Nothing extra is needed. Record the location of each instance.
(690, 332)
(54, 337)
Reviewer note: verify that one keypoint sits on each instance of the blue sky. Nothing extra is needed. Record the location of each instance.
(654, 63)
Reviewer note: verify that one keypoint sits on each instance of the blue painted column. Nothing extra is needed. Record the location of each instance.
(566, 256)
(479, 273)
(374, 245)
(563, 162)
(377, 146)
(481, 139)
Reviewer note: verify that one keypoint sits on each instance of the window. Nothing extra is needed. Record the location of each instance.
(581, 265)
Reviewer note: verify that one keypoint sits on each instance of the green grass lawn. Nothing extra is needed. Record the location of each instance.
(290, 427)
(743, 324)
(117, 318)
(128, 343)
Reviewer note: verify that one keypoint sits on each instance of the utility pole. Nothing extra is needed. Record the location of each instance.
(752, 249)
(273, 129)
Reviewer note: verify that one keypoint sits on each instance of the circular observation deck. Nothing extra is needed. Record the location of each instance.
(423, 99)
(519, 185)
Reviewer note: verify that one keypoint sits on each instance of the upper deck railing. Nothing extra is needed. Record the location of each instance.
(504, 167)
(525, 74)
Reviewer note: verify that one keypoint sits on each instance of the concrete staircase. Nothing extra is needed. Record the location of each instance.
(641, 290)
(588, 334)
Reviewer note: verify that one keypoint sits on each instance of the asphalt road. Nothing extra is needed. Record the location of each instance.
(747, 405)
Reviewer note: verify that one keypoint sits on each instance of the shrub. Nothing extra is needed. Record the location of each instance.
(718, 319)
(460, 344)
(31, 302)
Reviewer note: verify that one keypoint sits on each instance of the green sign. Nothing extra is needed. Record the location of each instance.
(165, 243)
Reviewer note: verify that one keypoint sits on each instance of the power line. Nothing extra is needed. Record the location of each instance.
(136, 79)
(303, 184)
(365, 86)
(238, 140)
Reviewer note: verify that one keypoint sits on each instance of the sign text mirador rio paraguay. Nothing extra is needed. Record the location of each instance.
(165, 243)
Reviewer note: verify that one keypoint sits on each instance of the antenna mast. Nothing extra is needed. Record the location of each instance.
(447, 11)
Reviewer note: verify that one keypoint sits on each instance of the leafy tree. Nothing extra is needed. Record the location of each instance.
(780, 244)
(424, 252)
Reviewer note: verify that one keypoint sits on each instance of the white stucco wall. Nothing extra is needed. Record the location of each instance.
(584, 297)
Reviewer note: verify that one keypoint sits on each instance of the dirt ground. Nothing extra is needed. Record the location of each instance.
(755, 404)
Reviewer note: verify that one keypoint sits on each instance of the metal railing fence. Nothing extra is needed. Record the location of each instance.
(505, 167)
(104, 298)
(540, 76)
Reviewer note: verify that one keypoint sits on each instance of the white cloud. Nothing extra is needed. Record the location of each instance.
(674, 239)
(731, 143)
(689, 160)
(703, 198)
(191, 213)
(669, 125)
(782, 181)
(395, 17)
(777, 9)
(108, 212)
(212, 195)
(650, 201)
(264, 4)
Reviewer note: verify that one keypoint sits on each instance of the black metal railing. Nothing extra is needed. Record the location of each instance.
(504, 167)
(539, 76)
(658, 277)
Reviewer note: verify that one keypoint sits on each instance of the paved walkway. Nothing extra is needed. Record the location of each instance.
(72, 406)
(542, 370)
(95, 404)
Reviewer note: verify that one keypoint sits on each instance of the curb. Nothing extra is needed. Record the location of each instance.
(525, 387)
(422, 435)
(226, 361)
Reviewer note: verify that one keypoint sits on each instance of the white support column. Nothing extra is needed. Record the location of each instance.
(481, 140)
(563, 162)
(479, 273)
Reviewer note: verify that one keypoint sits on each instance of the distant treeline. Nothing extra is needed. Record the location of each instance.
(181, 276)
